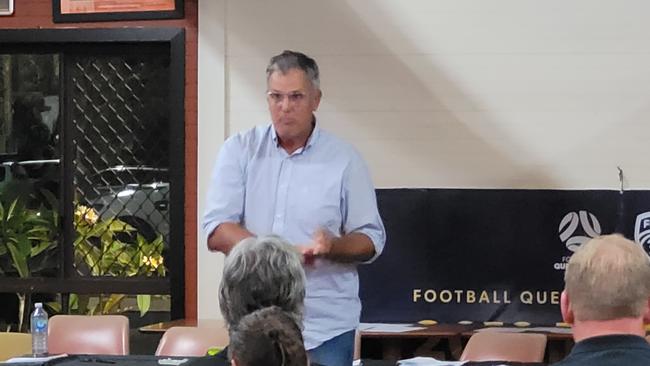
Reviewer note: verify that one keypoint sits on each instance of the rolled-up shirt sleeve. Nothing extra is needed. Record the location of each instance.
(360, 212)
(226, 193)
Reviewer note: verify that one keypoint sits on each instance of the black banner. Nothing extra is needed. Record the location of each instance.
(487, 255)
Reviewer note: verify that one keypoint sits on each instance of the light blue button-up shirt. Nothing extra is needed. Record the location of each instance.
(257, 184)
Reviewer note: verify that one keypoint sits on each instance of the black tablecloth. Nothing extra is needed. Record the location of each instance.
(144, 360)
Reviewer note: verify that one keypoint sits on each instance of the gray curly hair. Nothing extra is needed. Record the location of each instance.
(262, 272)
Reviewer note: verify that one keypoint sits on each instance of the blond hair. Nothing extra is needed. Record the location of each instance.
(608, 278)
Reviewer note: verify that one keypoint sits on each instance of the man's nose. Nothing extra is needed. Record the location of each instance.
(285, 104)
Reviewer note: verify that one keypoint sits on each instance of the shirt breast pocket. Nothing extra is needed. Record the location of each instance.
(318, 206)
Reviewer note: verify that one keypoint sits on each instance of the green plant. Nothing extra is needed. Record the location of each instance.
(99, 252)
(28, 238)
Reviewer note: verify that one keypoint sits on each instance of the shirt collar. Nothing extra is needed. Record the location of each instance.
(612, 341)
(315, 133)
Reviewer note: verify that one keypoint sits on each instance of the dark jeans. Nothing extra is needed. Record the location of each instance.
(337, 351)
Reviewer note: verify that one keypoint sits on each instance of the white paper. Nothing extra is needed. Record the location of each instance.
(560, 330)
(172, 361)
(428, 361)
(557, 330)
(30, 359)
(388, 327)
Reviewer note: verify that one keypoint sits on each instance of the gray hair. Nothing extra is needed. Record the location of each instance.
(288, 60)
(262, 272)
(608, 278)
(267, 337)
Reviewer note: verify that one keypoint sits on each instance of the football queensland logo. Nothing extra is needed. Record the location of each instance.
(642, 230)
(571, 235)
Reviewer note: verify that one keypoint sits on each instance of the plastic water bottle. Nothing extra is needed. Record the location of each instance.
(39, 330)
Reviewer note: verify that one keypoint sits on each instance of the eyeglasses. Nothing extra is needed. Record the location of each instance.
(294, 97)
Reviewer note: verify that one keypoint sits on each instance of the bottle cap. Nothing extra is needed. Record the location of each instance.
(38, 304)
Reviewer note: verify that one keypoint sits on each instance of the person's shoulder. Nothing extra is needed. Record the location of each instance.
(327, 137)
(337, 145)
(216, 360)
(249, 138)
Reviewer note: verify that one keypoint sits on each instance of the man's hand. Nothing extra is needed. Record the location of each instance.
(354, 247)
(321, 246)
(323, 242)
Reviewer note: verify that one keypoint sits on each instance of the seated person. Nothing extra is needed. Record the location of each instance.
(606, 299)
(258, 273)
(267, 337)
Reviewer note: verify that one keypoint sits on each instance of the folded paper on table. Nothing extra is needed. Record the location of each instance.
(428, 361)
(388, 327)
(32, 359)
(556, 330)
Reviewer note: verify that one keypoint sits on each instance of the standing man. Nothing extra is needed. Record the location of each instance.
(606, 299)
(292, 179)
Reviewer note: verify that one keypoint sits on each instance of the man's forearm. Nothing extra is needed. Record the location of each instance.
(354, 247)
(226, 236)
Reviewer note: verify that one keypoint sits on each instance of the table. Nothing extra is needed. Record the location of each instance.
(163, 326)
(133, 360)
(392, 342)
(560, 344)
(104, 360)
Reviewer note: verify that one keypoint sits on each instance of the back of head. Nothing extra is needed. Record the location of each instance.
(262, 272)
(267, 337)
(608, 278)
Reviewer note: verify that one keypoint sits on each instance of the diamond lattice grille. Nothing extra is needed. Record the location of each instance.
(121, 134)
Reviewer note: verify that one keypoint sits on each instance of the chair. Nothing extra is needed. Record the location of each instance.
(357, 345)
(84, 334)
(501, 346)
(14, 344)
(191, 341)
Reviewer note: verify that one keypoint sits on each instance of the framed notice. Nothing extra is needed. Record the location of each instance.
(115, 10)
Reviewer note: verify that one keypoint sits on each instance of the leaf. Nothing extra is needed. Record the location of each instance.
(112, 302)
(119, 226)
(39, 229)
(23, 244)
(10, 212)
(19, 261)
(40, 247)
(99, 228)
(92, 309)
(73, 302)
(55, 306)
(144, 304)
(88, 253)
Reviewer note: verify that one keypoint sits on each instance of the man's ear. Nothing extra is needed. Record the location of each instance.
(646, 312)
(317, 98)
(565, 307)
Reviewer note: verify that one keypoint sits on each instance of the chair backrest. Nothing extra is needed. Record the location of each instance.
(191, 341)
(84, 334)
(502, 346)
(14, 344)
